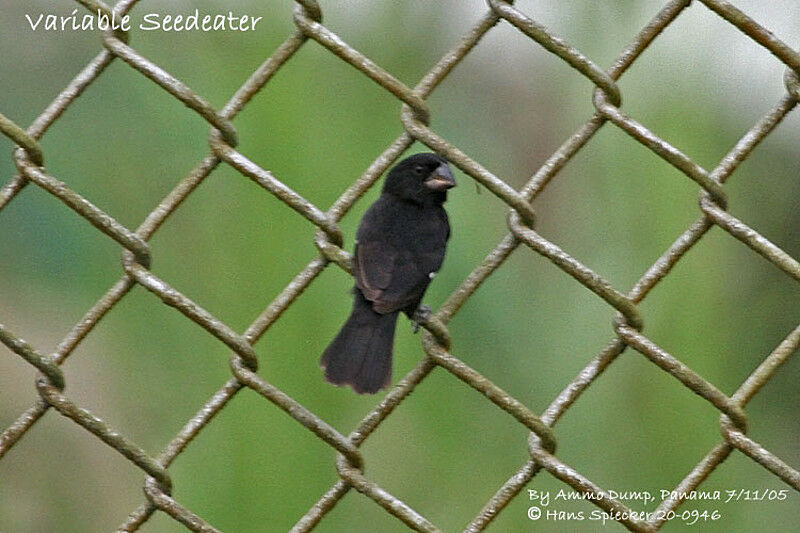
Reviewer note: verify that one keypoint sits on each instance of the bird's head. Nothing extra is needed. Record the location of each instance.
(421, 178)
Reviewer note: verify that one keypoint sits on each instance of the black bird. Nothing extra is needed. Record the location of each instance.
(400, 245)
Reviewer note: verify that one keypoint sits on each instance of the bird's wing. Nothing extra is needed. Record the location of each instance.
(411, 275)
(373, 266)
(394, 279)
(395, 257)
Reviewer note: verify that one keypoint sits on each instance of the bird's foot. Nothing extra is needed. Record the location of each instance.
(420, 316)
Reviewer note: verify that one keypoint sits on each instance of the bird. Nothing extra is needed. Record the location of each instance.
(400, 246)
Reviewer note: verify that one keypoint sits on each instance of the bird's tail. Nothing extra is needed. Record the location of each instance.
(361, 354)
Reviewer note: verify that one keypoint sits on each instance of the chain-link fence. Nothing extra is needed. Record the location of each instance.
(628, 324)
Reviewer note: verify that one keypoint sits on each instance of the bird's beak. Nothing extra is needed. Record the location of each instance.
(441, 179)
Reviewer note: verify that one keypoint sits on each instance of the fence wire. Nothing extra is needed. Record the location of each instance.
(628, 322)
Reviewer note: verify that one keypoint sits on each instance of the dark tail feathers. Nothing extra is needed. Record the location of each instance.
(361, 354)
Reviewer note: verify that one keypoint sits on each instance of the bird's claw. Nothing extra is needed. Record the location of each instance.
(420, 316)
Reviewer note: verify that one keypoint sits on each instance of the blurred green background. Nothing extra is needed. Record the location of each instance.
(232, 247)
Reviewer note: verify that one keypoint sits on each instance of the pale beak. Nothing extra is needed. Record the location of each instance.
(441, 179)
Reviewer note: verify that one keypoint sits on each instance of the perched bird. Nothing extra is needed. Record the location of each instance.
(400, 245)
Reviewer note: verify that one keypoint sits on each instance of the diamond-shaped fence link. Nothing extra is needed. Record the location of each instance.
(627, 324)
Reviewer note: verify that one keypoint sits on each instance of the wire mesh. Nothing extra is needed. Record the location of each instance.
(415, 114)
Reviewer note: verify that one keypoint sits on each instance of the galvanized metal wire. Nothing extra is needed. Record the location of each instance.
(628, 325)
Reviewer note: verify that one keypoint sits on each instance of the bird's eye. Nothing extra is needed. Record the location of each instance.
(418, 169)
